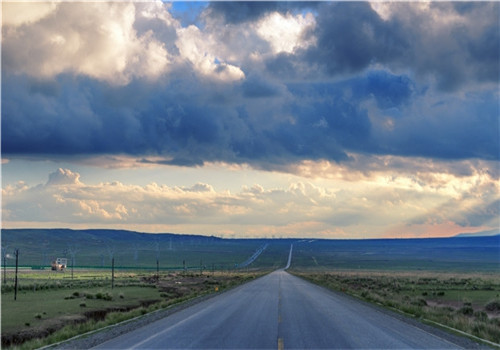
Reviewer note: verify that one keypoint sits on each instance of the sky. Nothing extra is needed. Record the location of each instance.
(244, 119)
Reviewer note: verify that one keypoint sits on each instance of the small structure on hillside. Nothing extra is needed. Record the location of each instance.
(59, 264)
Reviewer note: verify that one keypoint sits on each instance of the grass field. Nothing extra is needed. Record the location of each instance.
(58, 307)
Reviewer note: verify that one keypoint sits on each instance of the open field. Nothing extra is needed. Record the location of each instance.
(46, 306)
(453, 281)
(455, 254)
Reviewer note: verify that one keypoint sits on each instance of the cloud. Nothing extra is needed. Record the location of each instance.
(63, 177)
(441, 42)
(285, 33)
(380, 204)
(130, 81)
(197, 49)
(93, 39)
(22, 13)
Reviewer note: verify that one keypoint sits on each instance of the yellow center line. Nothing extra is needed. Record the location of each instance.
(281, 345)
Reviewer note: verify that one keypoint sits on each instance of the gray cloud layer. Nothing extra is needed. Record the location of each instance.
(417, 83)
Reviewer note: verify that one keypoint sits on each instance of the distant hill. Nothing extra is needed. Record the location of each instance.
(480, 234)
(95, 247)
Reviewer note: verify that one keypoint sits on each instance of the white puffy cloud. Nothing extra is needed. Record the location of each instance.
(377, 206)
(199, 49)
(63, 177)
(286, 32)
(19, 13)
(94, 39)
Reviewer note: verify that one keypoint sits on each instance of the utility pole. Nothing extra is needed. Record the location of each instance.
(4, 254)
(157, 248)
(72, 250)
(15, 283)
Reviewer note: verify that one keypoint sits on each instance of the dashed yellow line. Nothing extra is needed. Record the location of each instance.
(281, 345)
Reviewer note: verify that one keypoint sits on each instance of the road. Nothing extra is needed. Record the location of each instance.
(279, 311)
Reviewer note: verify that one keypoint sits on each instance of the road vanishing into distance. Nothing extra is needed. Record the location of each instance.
(279, 311)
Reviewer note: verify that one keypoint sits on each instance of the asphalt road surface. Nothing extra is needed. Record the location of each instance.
(279, 311)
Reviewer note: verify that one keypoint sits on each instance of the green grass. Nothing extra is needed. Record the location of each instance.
(62, 302)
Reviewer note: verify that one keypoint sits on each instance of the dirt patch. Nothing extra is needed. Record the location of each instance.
(180, 286)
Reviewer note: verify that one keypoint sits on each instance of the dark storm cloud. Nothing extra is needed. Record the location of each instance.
(352, 36)
(288, 116)
(246, 11)
(188, 122)
(255, 86)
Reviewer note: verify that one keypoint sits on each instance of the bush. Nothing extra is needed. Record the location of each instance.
(38, 315)
(466, 310)
(493, 306)
(76, 294)
(419, 302)
(104, 296)
(83, 305)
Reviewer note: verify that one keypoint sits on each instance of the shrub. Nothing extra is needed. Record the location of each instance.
(419, 302)
(83, 305)
(493, 306)
(122, 296)
(38, 315)
(104, 296)
(76, 294)
(466, 310)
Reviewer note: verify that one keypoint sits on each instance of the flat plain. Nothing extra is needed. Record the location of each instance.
(450, 281)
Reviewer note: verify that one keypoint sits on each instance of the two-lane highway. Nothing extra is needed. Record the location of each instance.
(279, 311)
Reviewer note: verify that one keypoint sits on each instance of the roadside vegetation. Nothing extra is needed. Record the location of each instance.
(52, 306)
(467, 302)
